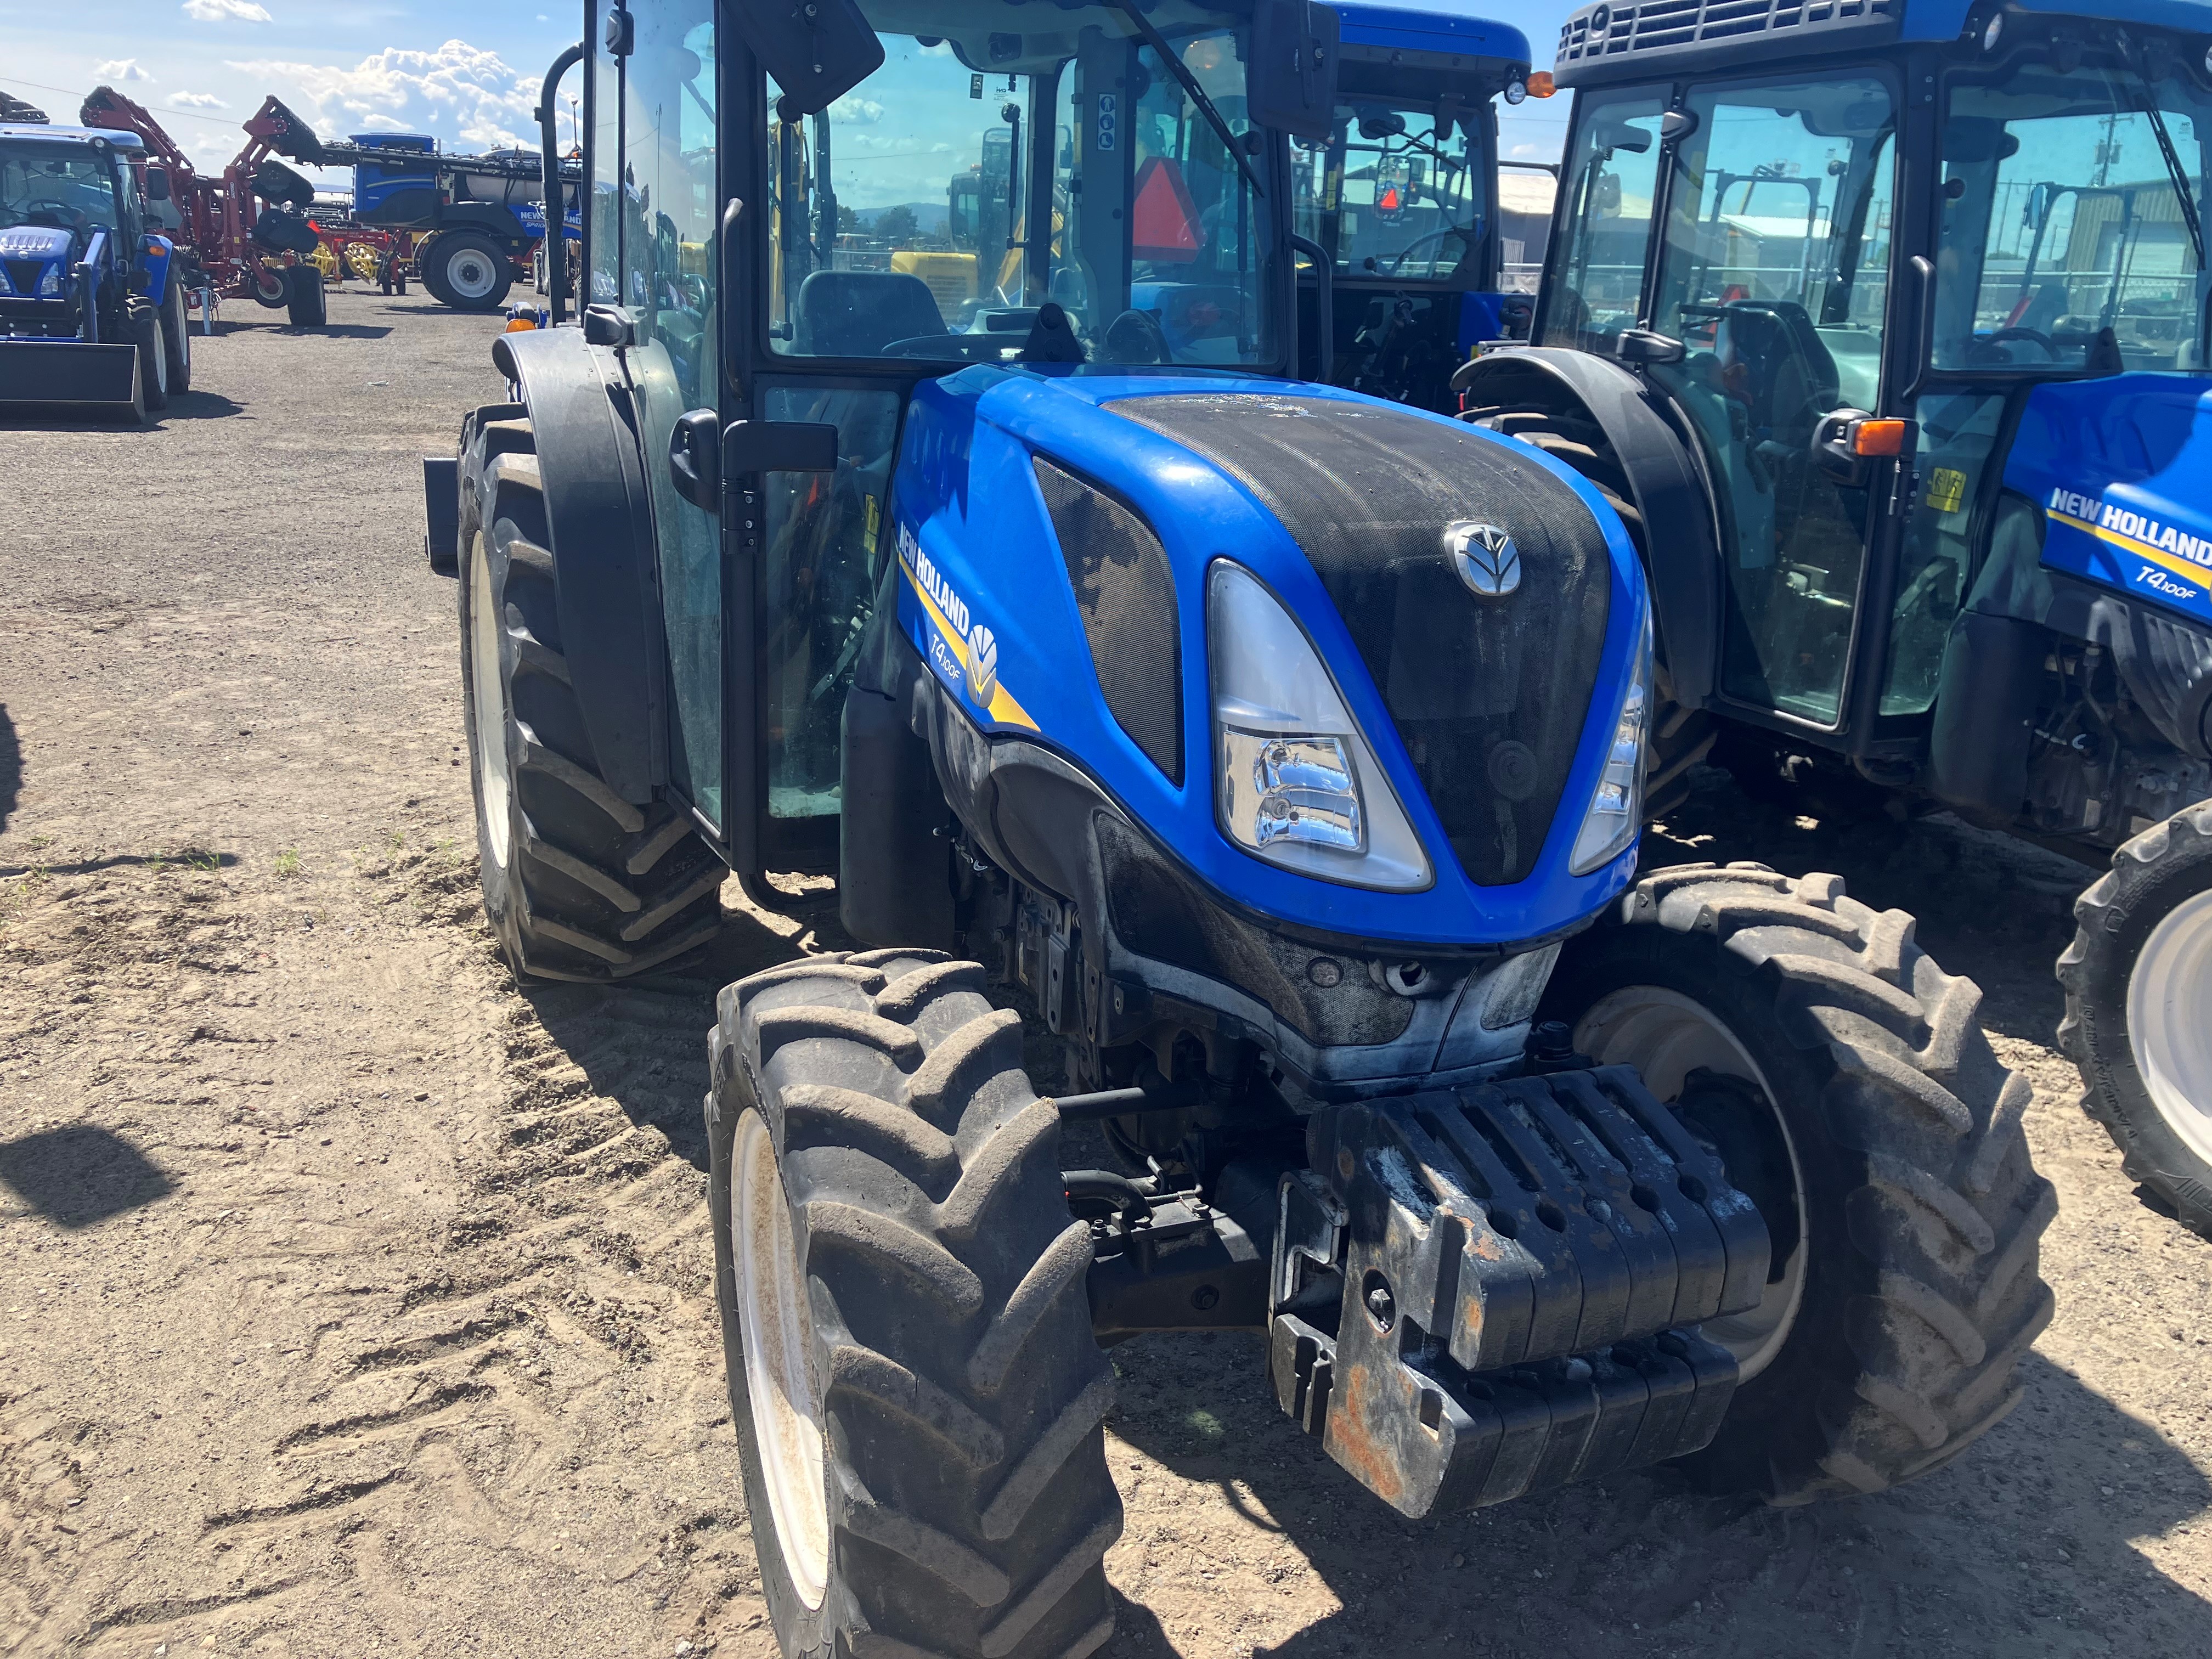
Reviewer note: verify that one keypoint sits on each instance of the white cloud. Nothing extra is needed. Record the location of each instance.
(120, 68)
(215, 11)
(853, 110)
(198, 100)
(1527, 152)
(459, 90)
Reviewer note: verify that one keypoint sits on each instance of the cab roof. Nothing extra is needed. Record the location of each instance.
(1607, 42)
(1442, 29)
(71, 137)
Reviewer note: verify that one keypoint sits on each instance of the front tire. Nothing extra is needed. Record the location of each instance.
(918, 1397)
(177, 341)
(2138, 981)
(1845, 1080)
(142, 322)
(307, 304)
(578, 883)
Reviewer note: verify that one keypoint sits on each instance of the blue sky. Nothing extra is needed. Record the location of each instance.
(468, 75)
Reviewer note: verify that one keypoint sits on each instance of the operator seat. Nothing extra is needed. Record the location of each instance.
(1793, 379)
(856, 313)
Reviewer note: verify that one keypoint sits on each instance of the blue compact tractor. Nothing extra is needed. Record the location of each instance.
(91, 299)
(1274, 752)
(1884, 328)
(1402, 205)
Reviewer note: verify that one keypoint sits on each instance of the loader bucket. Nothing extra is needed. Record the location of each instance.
(69, 378)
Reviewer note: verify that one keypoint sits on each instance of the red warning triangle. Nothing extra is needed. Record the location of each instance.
(1390, 202)
(1164, 223)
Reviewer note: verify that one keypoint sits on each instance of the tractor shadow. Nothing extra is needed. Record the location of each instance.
(11, 768)
(1997, 909)
(337, 331)
(642, 1042)
(78, 1175)
(184, 406)
(2022, 1547)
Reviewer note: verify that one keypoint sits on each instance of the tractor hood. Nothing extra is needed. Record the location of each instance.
(34, 242)
(1056, 532)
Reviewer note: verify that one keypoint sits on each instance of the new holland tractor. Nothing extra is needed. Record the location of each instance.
(91, 299)
(1278, 751)
(1401, 197)
(1893, 317)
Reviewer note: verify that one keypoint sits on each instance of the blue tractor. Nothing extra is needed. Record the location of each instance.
(1402, 201)
(91, 297)
(1278, 750)
(1884, 330)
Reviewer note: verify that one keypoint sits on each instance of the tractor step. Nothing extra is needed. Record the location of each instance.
(1487, 1292)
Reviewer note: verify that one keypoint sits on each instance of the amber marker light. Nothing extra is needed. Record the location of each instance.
(1541, 85)
(1872, 438)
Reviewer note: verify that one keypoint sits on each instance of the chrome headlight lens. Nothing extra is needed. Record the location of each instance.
(6, 287)
(1296, 782)
(49, 285)
(1616, 810)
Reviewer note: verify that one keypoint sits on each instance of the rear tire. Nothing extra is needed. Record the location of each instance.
(578, 883)
(1845, 1081)
(177, 341)
(2138, 979)
(1681, 737)
(467, 271)
(306, 303)
(925, 1461)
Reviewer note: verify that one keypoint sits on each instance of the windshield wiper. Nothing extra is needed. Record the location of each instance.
(1188, 82)
(2184, 189)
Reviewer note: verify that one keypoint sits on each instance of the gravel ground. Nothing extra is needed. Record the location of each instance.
(357, 1301)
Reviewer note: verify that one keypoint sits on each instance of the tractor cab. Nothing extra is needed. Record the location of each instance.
(59, 189)
(1404, 199)
(1893, 317)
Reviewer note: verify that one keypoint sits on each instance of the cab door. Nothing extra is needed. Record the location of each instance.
(655, 202)
(1773, 272)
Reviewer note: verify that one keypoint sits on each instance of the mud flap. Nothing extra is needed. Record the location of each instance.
(68, 375)
(1496, 1291)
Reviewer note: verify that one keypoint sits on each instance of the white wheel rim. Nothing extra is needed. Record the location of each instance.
(161, 356)
(778, 1334)
(2170, 1020)
(470, 276)
(491, 712)
(1666, 1035)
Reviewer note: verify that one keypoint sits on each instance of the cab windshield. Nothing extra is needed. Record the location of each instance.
(2073, 211)
(60, 191)
(1006, 155)
(1397, 191)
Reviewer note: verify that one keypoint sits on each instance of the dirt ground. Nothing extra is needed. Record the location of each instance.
(354, 1300)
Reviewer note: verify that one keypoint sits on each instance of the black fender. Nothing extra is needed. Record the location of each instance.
(1684, 562)
(584, 424)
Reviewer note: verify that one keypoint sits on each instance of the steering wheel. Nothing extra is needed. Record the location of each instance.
(965, 348)
(1463, 232)
(2050, 346)
(61, 211)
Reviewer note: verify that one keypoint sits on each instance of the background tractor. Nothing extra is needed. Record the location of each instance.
(1903, 392)
(92, 298)
(1277, 749)
(1404, 199)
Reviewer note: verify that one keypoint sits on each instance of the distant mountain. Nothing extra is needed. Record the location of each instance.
(928, 216)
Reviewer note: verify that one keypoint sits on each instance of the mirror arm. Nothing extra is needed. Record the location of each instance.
(1324, 298)
(555, 194)
(1922, 270)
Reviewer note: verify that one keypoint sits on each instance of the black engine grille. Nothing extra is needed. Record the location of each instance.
(1489, 696)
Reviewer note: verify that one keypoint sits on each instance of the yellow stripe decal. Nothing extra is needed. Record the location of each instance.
(2157, 556)
(1004, 710)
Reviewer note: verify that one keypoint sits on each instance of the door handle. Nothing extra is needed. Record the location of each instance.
(694, 458)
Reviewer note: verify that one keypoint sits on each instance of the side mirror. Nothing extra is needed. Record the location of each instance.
(157, 184)
(2038, 204)
(1291, 82)
(815, 51)
(1618, 134)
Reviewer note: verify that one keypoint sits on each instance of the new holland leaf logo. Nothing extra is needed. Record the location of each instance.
(1485, 558)
(983, 664)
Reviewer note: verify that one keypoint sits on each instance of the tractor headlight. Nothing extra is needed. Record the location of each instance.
(6, 287)
(1296, 782)
(49, 285)
(1616, 810)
